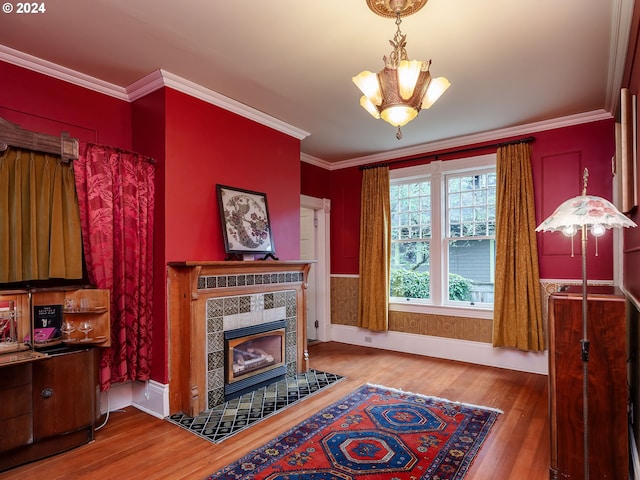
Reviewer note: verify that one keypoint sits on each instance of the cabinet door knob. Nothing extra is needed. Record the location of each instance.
(47, 393)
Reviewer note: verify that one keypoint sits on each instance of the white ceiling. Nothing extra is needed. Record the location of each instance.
(511, 63)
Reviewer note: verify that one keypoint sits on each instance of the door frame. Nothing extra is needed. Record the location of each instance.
(322, 209)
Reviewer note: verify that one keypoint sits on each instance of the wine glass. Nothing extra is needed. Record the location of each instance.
(67, 329)
(85, 327)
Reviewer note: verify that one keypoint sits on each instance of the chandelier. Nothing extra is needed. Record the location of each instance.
(403, 87)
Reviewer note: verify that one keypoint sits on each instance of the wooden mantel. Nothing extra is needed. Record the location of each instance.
(190, 285)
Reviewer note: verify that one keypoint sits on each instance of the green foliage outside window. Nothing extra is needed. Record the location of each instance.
(413, 284)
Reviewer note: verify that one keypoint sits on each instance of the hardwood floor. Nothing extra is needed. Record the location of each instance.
(134, 445)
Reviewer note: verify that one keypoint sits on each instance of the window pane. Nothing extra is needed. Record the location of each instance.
(410, 259)
(473, 208)
(411, 209)
(410, 270)
(471, 270)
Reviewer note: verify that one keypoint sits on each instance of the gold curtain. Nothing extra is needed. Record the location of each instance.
(517, 314)
(39, 219)
(375, 252)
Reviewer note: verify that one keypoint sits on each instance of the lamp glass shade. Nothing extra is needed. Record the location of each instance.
(369, 107)
(408, 74)
(437, 87)
(585, 210)
(368, 84)
(399, 115)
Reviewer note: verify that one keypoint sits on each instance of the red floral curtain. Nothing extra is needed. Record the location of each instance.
(116, 197)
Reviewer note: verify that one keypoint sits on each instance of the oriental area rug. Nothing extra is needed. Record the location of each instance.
(374, 432)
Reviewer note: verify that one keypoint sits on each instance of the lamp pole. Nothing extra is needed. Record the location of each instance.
(584, 344)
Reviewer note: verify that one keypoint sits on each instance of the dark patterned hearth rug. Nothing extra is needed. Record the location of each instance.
(229, 418)
(374, 432)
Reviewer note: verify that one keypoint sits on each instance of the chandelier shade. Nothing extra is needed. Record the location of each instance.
(403, 87)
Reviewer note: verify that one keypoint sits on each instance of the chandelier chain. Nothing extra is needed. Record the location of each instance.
(399, 44)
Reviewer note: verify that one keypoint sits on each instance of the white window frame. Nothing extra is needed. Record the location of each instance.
(435, 172)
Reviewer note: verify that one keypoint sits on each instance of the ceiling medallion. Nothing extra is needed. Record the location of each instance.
(389, 8)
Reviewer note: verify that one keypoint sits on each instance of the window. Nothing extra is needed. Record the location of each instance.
(443, 220)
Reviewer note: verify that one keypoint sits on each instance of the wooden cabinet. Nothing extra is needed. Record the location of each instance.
(49, 387)
(607, 385)
(47, 406)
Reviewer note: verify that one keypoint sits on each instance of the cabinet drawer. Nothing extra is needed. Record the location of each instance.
(15, 402)
(14, 376)
(16, 432)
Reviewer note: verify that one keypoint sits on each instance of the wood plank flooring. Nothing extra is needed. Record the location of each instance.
(134, 445)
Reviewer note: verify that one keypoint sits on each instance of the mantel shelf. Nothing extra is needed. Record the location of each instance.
(238, 264)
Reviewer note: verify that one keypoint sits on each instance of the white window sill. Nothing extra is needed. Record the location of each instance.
(452, 311)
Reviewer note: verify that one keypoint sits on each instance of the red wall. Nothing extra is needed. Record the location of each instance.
(205, 146)
(558, 159)
(148, 124)
(315, 181)
(47, 105)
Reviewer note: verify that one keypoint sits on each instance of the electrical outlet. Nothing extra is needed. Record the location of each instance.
(368, 339)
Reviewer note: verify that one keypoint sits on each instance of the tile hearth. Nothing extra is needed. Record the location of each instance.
(224, 420)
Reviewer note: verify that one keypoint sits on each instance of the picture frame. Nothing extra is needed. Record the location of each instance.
(246, 225)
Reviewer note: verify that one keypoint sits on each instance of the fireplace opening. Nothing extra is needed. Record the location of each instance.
(254, 356)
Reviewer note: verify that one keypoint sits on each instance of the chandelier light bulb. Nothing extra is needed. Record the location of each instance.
(569, 231)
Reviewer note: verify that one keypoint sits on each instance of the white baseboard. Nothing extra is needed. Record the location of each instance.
(117, 397)
(150, 397)
(447, 348)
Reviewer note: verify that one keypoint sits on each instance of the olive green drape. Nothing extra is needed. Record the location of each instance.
(375, 250)
(517, 314)
(40, 234)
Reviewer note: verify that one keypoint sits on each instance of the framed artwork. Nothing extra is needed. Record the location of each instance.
(245, 221)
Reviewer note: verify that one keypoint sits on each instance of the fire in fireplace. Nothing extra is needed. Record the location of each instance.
(254, 356)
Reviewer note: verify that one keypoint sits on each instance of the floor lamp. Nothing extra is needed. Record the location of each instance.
(582, 213)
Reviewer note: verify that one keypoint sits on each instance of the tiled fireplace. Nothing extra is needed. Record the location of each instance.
(257, 307)
(233, 322)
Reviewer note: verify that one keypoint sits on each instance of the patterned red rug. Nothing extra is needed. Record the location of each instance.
(374, 432)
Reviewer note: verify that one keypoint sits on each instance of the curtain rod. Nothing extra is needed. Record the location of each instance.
(144, 158)
(16, 136)
(451, 152)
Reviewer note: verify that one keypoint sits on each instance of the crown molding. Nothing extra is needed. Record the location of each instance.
(467, 140)
(65, 74)
(162, 78)
(318, 162)
(621, 20)
(146, 85)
